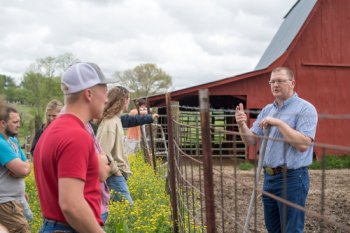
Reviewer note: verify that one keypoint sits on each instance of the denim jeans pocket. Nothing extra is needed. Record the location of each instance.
(305, 180)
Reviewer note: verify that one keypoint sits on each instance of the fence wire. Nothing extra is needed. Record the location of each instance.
(328, 203)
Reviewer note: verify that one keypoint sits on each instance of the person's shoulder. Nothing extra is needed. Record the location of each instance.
(14, 140)
(6, 154)
(306, 104)
(3, 142)
(68, 126)
(109, 121)
(267, 108)
(108, 124)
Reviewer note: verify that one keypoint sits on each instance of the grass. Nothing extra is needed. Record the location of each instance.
(246, 166)
(330, 162)
(333, 162)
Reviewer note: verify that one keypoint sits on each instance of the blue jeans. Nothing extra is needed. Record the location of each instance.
(51, 226)
(297, 188)
(120, 187)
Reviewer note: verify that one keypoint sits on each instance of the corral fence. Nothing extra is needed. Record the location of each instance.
(209, 193)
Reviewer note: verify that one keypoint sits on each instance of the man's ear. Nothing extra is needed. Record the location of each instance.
(2, 123)
(293, 83)
(88, 94)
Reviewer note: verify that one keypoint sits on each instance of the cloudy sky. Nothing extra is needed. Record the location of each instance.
(194, 41)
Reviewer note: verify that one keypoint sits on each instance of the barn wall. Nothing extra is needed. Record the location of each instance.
(256, 89)
(321, 59)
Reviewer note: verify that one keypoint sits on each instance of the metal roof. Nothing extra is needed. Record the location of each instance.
(293, 21)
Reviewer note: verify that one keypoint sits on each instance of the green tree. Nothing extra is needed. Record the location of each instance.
(144, 80)
(53, 66)
(38, 90)
(41, 82)
(9, 90)
(5, 83)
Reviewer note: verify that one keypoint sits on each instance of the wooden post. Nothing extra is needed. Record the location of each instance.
(171, 164)
(207, 161)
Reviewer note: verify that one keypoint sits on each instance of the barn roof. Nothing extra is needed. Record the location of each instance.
(286, 34)
(293, 21)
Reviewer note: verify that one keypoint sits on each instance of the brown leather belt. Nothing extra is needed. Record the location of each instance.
(274, 170)
(55, 222)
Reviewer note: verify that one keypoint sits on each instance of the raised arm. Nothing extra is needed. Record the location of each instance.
(241, 118)
(129, 121)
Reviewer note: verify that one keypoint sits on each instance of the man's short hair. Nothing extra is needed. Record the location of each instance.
(70, 98)
(289, 72)
(5, 111)
(141, 102)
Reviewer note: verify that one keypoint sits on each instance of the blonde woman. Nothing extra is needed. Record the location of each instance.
(53, 108)
(110, 134)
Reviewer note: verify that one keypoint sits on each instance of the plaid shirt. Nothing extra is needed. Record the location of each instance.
(299, 115)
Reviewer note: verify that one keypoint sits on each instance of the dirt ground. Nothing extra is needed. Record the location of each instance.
(336, 202)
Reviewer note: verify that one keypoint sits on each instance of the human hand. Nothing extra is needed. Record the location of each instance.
(155, 116)
(10, 173)
(241, 117)
(267, 121)
(118, 173)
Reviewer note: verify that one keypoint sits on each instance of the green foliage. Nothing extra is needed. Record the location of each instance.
(33, 202)
(333, 162)
(246, 166)
(27, 121)
(144, 80)
(122, 227)
(150, 212)
(38, 91)
(53, 66)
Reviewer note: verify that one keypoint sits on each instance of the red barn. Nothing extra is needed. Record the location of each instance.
(314, 41)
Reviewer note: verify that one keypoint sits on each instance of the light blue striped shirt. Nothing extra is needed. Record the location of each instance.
(299, 115)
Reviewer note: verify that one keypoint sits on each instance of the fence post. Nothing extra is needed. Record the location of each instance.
(171, 164)
(207, 161)
(152, 141)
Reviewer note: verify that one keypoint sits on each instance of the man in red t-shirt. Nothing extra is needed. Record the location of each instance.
(65, 161)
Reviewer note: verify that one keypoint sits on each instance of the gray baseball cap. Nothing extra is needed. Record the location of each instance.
(81, 76)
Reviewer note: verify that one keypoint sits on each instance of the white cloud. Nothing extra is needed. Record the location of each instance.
(194, 41)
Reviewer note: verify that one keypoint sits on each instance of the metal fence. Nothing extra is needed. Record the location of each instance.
(211, 194)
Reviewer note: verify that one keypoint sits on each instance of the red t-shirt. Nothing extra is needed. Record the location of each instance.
(66, 150)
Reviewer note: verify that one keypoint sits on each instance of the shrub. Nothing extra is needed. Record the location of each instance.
(151, 210)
